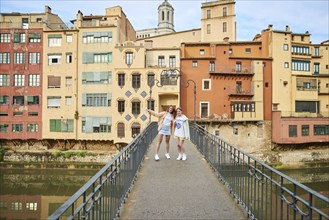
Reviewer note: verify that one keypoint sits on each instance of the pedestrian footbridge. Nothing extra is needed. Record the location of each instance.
(217, 181)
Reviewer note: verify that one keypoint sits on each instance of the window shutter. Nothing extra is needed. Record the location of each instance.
(109, 96)
(71, 125)
(121, 130)
(97, 76)
(52, 125)
(17, 38)
(1, 99)
(54, 36)
(88, 57)
(58, 125)
(89, 125)
(30, 99)
(109, 77)
(84, 99)
(110, 57)
(54, 81)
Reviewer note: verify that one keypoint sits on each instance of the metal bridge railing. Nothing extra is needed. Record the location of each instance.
(103, 195)
(264, 192)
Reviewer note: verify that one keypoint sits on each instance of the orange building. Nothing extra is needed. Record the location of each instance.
(233, 81)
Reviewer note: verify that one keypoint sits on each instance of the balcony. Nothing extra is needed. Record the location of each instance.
(232, 71)
(306, 88)
(240, 92)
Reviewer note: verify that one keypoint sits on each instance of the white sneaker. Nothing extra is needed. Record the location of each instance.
(156, 157)
(167, 156)
(184, 157)
(179, 157)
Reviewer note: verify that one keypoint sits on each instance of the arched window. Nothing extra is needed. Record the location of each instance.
(163, 15)
(168, 16)
(135, 129)
(224, 12)
(121, 130)
(135, 106)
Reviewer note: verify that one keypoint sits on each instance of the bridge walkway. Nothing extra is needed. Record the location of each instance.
(171, 189)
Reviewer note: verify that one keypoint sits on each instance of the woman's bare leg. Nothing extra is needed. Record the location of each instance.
(167, 143)
(158, 144)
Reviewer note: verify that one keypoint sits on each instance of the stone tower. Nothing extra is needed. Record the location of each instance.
(165, 18)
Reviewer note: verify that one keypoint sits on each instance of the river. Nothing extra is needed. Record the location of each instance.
(33, 192)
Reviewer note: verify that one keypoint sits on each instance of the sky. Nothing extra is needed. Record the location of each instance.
(252, 16)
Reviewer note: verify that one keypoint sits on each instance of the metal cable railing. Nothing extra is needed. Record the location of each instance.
(264, 192)
(103, 195)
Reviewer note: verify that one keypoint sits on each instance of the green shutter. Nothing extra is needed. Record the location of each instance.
(58, 125)
(71, 125)
(52, 125)
(54, 36)
(1, 99)
(110, 57)
(35, 35)
(30, 99)
(88, 57)
(17, 38)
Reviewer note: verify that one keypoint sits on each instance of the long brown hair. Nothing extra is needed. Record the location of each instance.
(173, 113)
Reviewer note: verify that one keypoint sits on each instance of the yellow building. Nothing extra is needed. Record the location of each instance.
(218, 21)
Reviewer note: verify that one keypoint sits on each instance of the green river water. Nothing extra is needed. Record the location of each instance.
(33, 192)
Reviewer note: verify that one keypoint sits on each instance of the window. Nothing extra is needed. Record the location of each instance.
(4, 38)
(68, 57)
(321, 130)
(16, 206)
(150, 79)
(68, 100)
(19, 80)
(18, 100)
(4, 58)
(204, 109)
(32, 206)
(238, 87)
(33, 114)
(18, 113)
(129, 58)
(224, 12)
(212, 66)
(300, 50)
(306, 106)
(136, 107)
(172, 61)
(243, 106)
(89, 57)
(19, 38)
(238, 67)
(235, 130)
(32, 128)
(34, 58)
(33, 100)
(68, 81)
(150, 104)
(135, 129)
(34, 37)
(285, 47)
(121, 79)
(194, 63)
(165, 80)
(316, 68)
(54, 82)
(54, 59)
(54, 101)
(208, 14)
(69, 38)
(4, 100)
(202, 52)
(206, 84)
(248, 50)
(302, 38)
(316, 51)
(305, 130)
(163, 16)
(97, 37)
(208, 28)
(96, 99)
(306, 85)
(121, 130)
(4, 128)
(4, 79)
(121, 106)
(292, 130)
(286, 64)
(19, 58)
(216, 132)
(61, 125)
(25, 20)
(298, 65)
(224, 26)
(161, 61)
(96, 77)
(17, 128)
(3, 114)
(136, 81)
(54, 40)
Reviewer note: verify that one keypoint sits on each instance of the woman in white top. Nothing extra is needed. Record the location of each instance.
(165, 128)
(182, 133)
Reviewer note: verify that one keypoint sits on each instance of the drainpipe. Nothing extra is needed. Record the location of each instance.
(77, 85)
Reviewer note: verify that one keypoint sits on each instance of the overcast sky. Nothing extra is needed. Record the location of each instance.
(252, 16)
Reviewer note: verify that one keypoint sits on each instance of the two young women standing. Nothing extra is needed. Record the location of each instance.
(172, 121)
